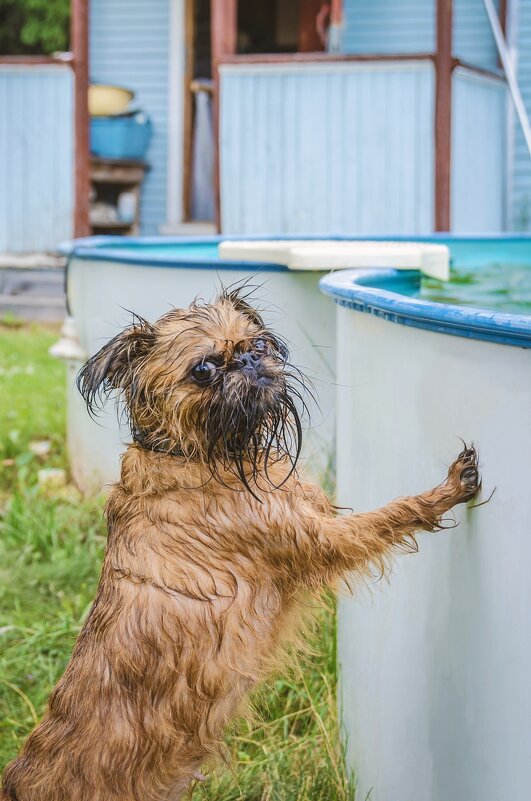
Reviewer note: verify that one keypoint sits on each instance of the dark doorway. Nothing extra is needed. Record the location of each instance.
(282, 26)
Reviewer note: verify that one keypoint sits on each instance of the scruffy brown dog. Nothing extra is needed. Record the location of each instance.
(213, 543)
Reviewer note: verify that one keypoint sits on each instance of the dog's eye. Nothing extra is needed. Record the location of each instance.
(203, 372)
(260, 345)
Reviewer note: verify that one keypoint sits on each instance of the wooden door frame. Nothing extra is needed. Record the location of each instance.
(79, 43)
(224, 36)
(307, 35)
(444, 67)
(188, 111)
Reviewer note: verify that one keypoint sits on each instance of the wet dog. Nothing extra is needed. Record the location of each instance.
(214, 543)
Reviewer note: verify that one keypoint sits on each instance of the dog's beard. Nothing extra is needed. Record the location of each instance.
(248, 427)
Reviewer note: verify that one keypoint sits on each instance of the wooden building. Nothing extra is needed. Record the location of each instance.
(344, 116)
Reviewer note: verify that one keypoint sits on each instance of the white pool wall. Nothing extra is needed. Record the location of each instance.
(435, 662)
(100, 292)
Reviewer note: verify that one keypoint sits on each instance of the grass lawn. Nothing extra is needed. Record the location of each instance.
(51, 547)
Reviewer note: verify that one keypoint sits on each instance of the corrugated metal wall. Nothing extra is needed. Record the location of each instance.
(388, 26)
(130, 46)
(520, 185)
(36, 157)
(327, 148)
(478, 153)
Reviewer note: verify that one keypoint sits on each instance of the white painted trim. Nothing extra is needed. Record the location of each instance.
(470, 75)
(176, 99)
(289, 68)
(35, 69)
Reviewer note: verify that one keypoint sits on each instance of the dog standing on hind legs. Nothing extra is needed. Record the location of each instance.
(214, 543)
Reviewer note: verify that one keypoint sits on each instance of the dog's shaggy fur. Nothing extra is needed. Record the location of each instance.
(213, 543)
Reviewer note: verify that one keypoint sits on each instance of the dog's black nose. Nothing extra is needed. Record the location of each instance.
(249, 360)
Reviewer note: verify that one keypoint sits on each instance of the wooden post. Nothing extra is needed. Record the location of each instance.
(224, 29)
(309, 38)
(443, 115)
(503, 11)
(80, 48)
(189, 35)
(223, 35)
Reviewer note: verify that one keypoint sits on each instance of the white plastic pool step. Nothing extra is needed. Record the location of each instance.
(300, 254)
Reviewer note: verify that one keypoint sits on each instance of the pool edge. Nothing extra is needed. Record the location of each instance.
(349, 288)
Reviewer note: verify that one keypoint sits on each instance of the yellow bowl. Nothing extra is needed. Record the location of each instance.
(106, 101)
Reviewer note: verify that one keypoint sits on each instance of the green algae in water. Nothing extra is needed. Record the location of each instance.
(495, 286)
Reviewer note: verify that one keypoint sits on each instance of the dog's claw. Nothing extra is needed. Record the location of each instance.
(464, 475)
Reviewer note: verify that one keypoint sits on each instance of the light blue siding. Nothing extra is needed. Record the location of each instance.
(130, 47)
(341, 148)
(409, 26)
(478, 153)
(36, 157)
(473, 39)
(389, 26)
(520, 199)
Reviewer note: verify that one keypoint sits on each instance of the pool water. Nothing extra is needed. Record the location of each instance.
(494, 286)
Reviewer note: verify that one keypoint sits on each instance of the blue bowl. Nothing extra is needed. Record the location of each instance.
(124, 136)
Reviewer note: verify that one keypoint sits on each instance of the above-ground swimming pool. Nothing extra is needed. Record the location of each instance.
(435, 664)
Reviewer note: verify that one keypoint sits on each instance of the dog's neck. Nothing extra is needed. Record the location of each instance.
(141, 438)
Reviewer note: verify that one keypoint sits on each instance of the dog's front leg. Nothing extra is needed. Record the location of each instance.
(359, 542)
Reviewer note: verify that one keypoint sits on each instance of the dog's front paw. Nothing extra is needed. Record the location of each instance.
(463, 476)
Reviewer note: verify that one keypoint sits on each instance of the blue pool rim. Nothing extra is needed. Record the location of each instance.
(108, 248)
(366, 291)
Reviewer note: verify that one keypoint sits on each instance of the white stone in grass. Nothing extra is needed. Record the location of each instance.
(41, 447)
(51, 478)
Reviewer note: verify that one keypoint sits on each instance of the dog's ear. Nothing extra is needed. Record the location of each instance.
(113, 366)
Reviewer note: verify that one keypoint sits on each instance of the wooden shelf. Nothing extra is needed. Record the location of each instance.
(111, 171)
(112, 225)
(109, 178)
